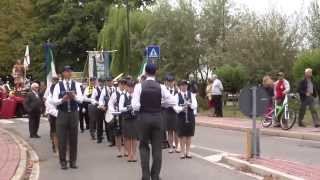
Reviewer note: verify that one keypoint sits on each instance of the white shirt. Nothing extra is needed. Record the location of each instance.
(95, 94)
(55, 98)
(122, 100)
(105, 91)
(86, 93)
(194, 102)
(113, 100)
(50, 107)
(217, 87)
(167, 99)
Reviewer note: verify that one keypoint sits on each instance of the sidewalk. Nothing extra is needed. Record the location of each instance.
(238, 124)
(274, 168)
(9, 156)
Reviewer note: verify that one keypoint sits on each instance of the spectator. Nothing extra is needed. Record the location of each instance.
(193, 86)
(281, 88)
(209, 96)
(308, 91)
(32, 104)
(267, 83)
(217, 90)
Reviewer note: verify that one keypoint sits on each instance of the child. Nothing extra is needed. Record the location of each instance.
(187, 103)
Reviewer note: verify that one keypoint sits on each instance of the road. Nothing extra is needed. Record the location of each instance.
(97, 161)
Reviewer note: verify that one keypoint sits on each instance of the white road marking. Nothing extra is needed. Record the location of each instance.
(6, 121)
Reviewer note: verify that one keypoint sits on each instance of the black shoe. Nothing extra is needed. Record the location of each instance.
(302, 125)
(93, 137)
(277, 126)
(317, 125)
(99, 141)
(73, 165)
(111, 145)
(82, 131)
(64, 166)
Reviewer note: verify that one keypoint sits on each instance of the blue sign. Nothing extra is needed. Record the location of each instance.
(153, 52)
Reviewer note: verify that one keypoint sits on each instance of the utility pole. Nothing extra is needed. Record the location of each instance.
(128, 36)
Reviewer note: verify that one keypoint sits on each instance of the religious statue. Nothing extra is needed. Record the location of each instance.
(18, 73)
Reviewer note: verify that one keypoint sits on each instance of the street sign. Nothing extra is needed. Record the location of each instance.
(246, 101)
(153, 52)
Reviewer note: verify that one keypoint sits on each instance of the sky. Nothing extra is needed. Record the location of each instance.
(285, 6)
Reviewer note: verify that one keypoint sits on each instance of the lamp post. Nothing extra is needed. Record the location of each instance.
(128, 35)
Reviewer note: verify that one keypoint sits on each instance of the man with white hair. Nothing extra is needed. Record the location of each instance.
(217, 90)
(32, 105)
(308, 91)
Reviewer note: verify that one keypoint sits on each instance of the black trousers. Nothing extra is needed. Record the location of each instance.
(99, 116)
(67, 131)
(34, 122)
(52, 122)
(109, 132)
(92, 119)
(150, 126)
(308, 101)
(217, 99)
(84, 117)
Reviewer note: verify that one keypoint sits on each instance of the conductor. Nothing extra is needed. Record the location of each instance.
(147, 99)
(66, 96)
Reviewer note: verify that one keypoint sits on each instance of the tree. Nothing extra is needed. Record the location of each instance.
(113, 36)
(71, 27)
(307, 59)
(233, 77)
(313, 20)
(17, 29)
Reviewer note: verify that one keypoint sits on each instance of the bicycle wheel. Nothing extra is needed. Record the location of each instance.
(266, 122)
(287, 124)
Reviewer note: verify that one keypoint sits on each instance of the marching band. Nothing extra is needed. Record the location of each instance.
(128, 112)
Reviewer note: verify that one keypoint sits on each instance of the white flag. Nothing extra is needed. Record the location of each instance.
(26, 59)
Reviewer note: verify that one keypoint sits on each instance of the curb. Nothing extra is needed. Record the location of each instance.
(257, 169)
(263, 131)
(27, 155)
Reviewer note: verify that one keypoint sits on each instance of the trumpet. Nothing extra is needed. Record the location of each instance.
(186, 105)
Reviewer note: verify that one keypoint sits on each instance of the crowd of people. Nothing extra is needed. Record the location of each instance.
(307, 89)
(125, 112)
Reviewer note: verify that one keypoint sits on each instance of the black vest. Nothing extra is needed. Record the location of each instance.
(73, 103)
(182, 114)
(99, 93)
(150, 98)
(127, 101)
(52, 88)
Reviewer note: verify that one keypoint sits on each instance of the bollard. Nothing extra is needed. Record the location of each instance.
(248, 144)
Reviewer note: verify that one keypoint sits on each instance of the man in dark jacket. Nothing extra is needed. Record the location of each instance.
(32, 105)
(308, 91)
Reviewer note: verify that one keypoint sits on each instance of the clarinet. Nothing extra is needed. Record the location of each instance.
(186, 104)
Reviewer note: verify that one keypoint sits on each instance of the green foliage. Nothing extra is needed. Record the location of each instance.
(113, 36)
(233, 77)
(313, 20)
(308, 59)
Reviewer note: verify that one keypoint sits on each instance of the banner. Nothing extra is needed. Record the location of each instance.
(98, 64)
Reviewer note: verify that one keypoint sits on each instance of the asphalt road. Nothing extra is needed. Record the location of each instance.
(98, 161)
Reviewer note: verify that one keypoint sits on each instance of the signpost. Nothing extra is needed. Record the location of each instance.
(153, 52)
(253, 102)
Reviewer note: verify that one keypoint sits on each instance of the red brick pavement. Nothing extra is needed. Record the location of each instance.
(9, 156)
(304, 171)
(238, 123)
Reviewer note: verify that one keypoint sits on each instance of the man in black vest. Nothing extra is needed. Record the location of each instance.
(147, 99)
(98, 113)
(66, 96)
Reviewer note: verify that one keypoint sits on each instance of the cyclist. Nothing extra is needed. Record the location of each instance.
(281, 89)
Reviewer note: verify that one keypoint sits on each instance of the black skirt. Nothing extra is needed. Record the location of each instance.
(171, 119)
(186, 128)
(129, 128)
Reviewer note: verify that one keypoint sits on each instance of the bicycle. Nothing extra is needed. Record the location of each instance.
(285, 115)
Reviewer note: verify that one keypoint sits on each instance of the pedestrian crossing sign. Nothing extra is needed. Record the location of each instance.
(153, 52)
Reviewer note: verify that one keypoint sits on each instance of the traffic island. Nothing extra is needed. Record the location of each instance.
(273, 168)
(18, 161)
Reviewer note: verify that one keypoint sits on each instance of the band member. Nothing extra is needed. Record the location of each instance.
(66, 96)
(171, 117)
(147, 99)
(99, 113)
(83, 108)
(105, 96)
(91, 107)
(130, 131)
(113, 106)
(187, 103)
(52, 112)
(32, 104)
